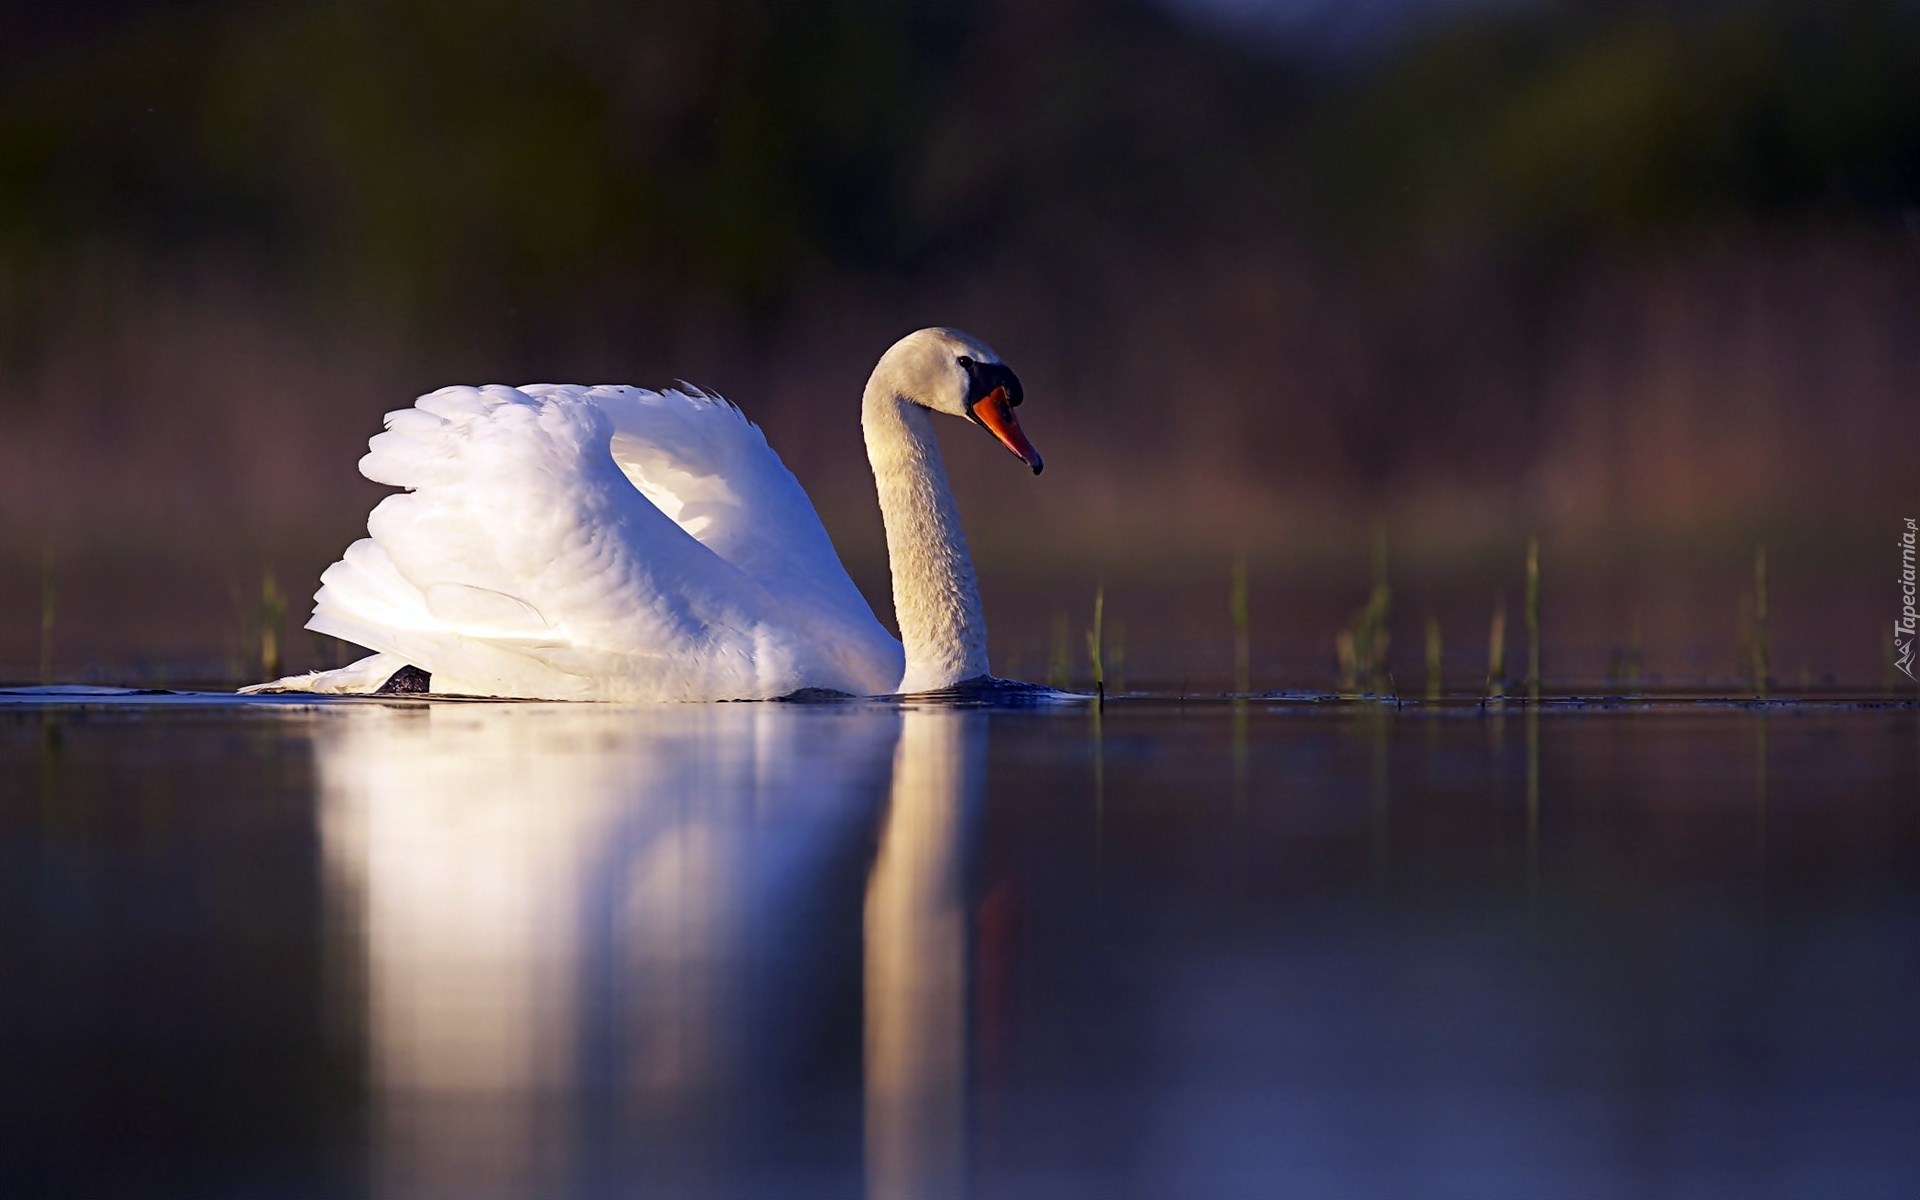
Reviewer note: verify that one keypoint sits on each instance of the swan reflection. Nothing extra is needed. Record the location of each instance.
(916, 959)
(602, 945)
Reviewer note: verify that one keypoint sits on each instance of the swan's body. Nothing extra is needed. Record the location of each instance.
(613, 543)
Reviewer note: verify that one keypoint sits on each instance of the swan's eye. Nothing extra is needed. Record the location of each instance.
(964, 361)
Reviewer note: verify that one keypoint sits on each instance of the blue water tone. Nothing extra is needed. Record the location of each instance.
(420, 948)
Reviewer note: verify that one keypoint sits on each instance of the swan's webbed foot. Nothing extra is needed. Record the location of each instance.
(988, 692)
(815, 695)
(407, 681)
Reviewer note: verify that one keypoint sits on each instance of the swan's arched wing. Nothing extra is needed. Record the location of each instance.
(523, 562)
(706, 466)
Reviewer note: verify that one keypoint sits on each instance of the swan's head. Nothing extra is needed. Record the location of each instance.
(950, 372)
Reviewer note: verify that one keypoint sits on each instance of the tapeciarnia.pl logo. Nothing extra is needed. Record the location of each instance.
(1903, 625)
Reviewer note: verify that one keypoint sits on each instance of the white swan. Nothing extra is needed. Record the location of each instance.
(613, 543)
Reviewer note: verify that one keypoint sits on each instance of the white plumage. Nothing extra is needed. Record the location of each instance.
(614, 543)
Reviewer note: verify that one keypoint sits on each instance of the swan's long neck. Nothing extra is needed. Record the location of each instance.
(936, 599)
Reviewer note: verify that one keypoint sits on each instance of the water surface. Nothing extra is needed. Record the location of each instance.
(428, 948)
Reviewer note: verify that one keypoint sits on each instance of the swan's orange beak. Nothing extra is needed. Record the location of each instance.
(996, 414)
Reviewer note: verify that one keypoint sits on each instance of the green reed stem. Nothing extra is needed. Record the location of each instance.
(1433, 657)
(1242, 638)
(1762, 649)
(1095, 640)
(1379, 615)
(273, 614)
(1497, 650)
(48, 599)
(1533, 620)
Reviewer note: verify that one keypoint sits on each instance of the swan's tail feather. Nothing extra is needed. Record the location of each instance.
(363, 598)
(359, 678)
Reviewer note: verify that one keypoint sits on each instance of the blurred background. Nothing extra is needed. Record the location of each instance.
(1351, 293)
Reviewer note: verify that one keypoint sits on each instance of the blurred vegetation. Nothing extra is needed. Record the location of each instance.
(436, 152)
(461, 161)
(1576, 122)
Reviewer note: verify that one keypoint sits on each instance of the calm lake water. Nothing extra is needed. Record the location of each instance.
(457, 949)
